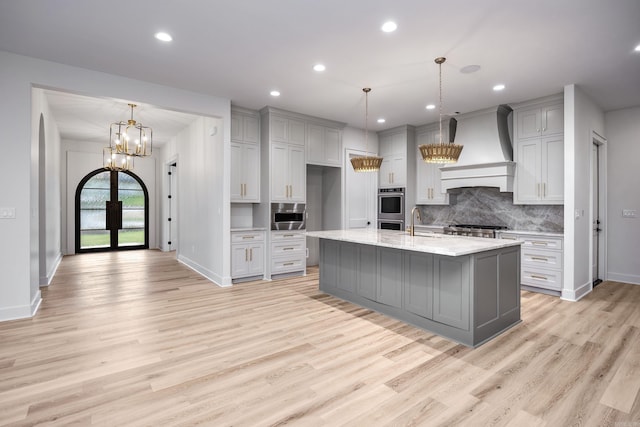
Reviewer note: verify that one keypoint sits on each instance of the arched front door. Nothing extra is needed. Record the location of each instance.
(111, 212)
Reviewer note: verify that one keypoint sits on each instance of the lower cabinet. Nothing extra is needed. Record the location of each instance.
(541, 261)
(247, 254)
(468, 298)
(288, 252)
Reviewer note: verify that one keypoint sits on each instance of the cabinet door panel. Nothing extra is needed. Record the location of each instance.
(256, 259)
(297, 174)
(527, 171)
(528, 123)
(418, 284)
(297, 132)
(347, 271)
(389, 290)
(367, 276)
(279, 129)
(279, 168)
(236, 172)
(315, 145)
(239, 260)
(251, 129)
(236, 128)
(251, 172)
(553, 119)
(333, 147)
(451, 289)
(553, 168)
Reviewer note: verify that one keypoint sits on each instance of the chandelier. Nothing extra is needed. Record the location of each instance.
(366, 163)
(131, 137)
(440, 152)
(115, 161)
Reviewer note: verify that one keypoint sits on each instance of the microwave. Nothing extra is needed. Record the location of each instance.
(288, 216)
(391, 203)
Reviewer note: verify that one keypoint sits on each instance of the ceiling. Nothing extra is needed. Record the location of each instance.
(243, 49)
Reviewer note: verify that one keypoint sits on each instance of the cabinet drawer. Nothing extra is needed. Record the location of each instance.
(287, 264)
(542, 278)
(281, 248)
(246, 236)
(541, 258)
(541, 242)
(277, 236)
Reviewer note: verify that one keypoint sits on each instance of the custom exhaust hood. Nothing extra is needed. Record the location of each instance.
(487, 158)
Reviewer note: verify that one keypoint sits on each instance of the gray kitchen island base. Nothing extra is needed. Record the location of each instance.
(469, 299)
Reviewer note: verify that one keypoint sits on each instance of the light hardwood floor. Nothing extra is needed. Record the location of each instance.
(135, 338)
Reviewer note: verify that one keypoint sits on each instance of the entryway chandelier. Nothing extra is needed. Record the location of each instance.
(440, 152)
(115, 161)
(366, 163)
(131, 137)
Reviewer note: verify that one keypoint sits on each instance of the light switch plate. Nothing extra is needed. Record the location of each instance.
(7, 213)
(629, 213)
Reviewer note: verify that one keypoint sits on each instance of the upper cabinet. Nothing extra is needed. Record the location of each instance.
(245, 156)
(540, 121)
(289, 130)
(539, 153)
(428, 183)
(395, 147)
(324, 145)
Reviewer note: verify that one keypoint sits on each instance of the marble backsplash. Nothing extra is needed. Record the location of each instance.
(488, 206)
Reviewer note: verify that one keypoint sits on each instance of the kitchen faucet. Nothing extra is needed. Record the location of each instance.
(412, 229)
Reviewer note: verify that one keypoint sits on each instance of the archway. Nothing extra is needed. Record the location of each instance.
(112, 212)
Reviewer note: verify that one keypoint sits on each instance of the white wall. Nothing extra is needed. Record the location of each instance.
(19, 261)
(49, 229)
(622, 129)
(203, 199)
(582, 116)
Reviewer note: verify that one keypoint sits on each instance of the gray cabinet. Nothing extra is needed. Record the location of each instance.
(324, 145)
(468, 299)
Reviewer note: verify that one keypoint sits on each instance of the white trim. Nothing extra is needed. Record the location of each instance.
(223, 282)
(35, 303)
(632, 279)
(577, 294)
(21, 311)
(52, 272)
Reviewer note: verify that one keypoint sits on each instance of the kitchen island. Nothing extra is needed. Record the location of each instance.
(466, 289)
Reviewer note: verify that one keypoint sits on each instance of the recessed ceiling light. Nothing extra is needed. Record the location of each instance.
(469, 69)
(389, 27)
(431, 107)
(164, 37)
(637, 49)
(319, 67)
(274, 93)
(499, 87)
(381, 120)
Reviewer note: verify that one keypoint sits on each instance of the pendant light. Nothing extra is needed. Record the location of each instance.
(131, 137)
(366, 163)
(440, 152)
(115, 161)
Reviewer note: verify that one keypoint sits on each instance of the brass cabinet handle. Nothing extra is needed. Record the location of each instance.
(250, 254)
(247, 237)
(538, 243)
(535, 276)
(288, 263)
(246, 255)
(544, 189)
(288, 249)
(288, 235)
(540, 258)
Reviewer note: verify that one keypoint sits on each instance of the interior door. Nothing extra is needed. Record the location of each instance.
(111, 212)
(361, 196)
(595, 209)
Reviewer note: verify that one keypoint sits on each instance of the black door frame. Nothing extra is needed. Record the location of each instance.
(114, 215)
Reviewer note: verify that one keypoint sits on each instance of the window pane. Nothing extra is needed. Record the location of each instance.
(94, 239)
(131, 198)
(127, 182)
(93, 219)
(101, 180)
(131, 237)
(91, 198)
(133, 218)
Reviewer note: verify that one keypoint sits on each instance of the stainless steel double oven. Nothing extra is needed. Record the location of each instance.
(391, 208)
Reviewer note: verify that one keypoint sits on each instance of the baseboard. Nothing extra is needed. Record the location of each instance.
(35, 303)
(223, 282)
(576, 294)
(46, 281)
(625, 278)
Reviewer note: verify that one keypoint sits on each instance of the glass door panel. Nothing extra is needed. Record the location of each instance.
(93, 198)
(131, 194)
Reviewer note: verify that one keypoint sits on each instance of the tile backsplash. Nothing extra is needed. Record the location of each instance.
(488, 206)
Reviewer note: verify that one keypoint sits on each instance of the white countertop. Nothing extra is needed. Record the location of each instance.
(435, 244)
(533, 233)
(234, 230)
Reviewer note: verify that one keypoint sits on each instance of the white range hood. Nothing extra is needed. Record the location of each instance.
(487, 156)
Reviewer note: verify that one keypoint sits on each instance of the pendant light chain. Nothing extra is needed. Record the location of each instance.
(366, 119)
(440, 77)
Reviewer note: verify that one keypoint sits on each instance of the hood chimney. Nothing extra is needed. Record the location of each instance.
(487, 158)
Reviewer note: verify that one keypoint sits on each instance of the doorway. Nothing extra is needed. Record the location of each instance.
(598, 208)
(172, 202)
(111, 212)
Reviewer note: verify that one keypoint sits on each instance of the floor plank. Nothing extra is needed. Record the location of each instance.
(136, 338)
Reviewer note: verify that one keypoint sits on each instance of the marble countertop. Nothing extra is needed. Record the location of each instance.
(435, 244)
(533, 233)
(248, 229)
